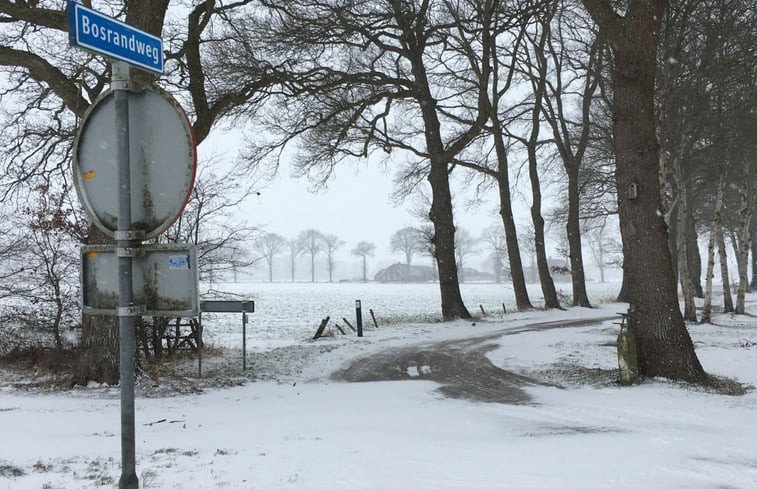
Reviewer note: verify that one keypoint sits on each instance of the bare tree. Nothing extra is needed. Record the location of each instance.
(50, 86)
(39, 247)
(664, 345)
(311, 241)
(386, 76)
(269, 245)
(331, 244)
(504, 48)
(294, 250)
(573, 61)
(364, 249)
(211, 221)
(427, 249)
(535, 65)
(606, 250)
(465, 246)
(494, 238)
(407, 241)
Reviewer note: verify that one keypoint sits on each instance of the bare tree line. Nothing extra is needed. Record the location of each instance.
(645, 112)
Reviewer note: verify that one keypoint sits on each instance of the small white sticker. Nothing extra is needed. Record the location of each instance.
(178, 262)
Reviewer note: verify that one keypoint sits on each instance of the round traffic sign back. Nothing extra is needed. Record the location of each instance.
(163, 162)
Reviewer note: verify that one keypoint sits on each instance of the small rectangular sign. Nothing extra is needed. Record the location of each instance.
(178, 262)
(227, 306)
(92, 30)
(164, 280)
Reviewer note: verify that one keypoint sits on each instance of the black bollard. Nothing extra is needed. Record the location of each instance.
(359, 317)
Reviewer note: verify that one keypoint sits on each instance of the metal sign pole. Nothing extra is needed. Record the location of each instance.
(125, 245)
(244, 341)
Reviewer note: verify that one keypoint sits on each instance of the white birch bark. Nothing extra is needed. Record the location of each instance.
(715, 224)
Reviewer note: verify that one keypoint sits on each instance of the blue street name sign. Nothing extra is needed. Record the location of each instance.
(97, 32)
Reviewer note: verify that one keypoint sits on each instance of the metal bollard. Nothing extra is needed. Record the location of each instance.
(359, 317)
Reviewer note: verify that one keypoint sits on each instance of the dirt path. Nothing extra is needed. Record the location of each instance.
(460, 366)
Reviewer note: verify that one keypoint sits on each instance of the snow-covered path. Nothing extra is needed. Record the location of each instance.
(317, 433)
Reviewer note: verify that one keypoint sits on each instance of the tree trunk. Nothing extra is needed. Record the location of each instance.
(573, 229)
(365, 278)
(539, 84)
(673, 238)
(687, 287)
(723, 259)
(522, 301)
(694, 258)
(714, 224)
(99, 347)
(745, 217)
(440, 213)
(664, 346)
(312, 267)
(99, 358)
(623, 294)
(547, 285)
(707, 307)
(753, 240)
(444, 243)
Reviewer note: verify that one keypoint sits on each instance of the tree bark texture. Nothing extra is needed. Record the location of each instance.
(694, 258)
(725, 279)
(623, 293)
(573, 230)
(444, 243)
(665, 348)
(753, 240)
(682, 213)
(715, 224)
(522, 301)
(742, 257)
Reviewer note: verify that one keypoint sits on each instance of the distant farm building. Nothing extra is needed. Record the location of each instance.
(467, 274)
(401, 272)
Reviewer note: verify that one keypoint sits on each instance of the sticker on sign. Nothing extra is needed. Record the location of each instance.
(178, 262)
(94, 31)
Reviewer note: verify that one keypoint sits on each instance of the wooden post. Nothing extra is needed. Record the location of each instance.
(373, 316)
(319, 332)
(339, 328)
(482, 309)
(348, 324)
(504, 309)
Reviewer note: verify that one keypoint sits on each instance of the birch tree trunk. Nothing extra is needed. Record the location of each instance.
(723, 259)
(745, 218)
(687, 287)
(714, 225)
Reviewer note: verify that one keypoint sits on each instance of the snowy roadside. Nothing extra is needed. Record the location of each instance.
(292, 426)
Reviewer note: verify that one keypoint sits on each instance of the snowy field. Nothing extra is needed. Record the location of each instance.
(287, 313)
(303, 430)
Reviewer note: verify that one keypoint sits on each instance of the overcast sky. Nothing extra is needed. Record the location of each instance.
(356, 206)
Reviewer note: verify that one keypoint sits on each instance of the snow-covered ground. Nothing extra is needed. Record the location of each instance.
(301, 429)
(285, 313)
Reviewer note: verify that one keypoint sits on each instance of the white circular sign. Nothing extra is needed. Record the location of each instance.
(163, 162)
